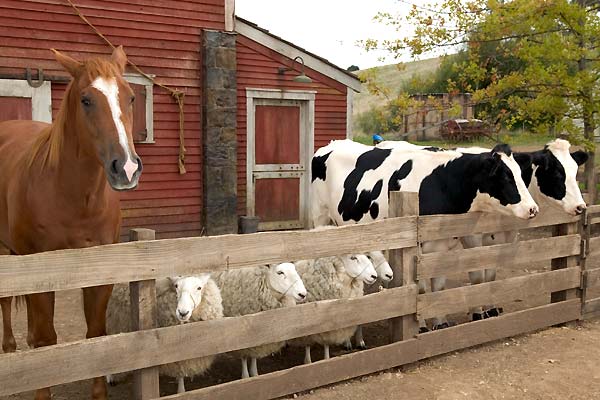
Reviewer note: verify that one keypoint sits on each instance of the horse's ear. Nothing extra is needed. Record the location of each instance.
(119, 58)
(72, 66)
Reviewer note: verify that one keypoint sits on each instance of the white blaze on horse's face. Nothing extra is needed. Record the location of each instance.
(110, 89)
(382, 267)
(360, 267)
(189, 291)
(284, 279)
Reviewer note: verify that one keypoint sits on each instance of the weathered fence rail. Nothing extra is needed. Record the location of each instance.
(570, 280)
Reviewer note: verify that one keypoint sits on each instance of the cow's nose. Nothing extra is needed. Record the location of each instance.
(580, 208)
(533, 211)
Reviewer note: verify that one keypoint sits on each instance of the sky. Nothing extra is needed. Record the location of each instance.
(328, 28)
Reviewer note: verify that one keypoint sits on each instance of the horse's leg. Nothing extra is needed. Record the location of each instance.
(95, 301)
(29, 323)
(41, 306)
(8, 339)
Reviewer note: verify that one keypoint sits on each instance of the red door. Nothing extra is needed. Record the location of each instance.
(15, 108)
(279, 167)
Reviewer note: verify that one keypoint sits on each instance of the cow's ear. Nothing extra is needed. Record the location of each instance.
(524, 160)
(541, 159)
(580, 157)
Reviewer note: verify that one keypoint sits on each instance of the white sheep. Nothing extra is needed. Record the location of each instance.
(326, 278)
(252, 290)
(384, 275)
(178, 300)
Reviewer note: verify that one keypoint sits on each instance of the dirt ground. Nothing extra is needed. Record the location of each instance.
(555, 363)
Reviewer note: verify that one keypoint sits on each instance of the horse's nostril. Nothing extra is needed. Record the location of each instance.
(113, 167)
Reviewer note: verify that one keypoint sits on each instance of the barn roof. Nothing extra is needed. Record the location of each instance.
(289, 49)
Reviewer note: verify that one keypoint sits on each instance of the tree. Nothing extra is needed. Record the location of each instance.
(534, 61)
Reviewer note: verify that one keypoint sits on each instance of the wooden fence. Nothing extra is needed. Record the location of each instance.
(141, 261)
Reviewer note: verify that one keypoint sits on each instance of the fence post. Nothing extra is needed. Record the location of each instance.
(403, 263)
(144, 316)
(565, 262)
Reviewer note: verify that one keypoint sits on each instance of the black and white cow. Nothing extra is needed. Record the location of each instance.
(551, 179)
(351, 182)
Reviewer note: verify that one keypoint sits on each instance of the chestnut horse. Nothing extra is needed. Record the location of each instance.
(59, 183)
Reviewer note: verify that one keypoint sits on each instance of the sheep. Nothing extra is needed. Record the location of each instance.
(251, 290)
(179, 300)
(384, 275)
(326, 278)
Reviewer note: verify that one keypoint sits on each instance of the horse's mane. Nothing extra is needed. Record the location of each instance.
(49, 142)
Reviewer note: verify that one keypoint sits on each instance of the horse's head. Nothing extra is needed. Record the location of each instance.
(103, 105)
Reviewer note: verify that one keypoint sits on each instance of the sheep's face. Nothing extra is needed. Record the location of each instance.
(382, 267)
(189, 291)
(360, 267)
(284, 279)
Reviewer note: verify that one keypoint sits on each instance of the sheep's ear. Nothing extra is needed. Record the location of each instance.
(204, 278)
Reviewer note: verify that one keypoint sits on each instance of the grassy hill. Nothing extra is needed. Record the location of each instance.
(392, 76)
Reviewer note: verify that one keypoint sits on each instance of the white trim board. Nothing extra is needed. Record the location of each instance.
(290, 51)
(139, 79)
(41, 97)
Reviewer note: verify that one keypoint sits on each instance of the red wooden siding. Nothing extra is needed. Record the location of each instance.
(163, 37)
(257, 68)
(278, 140)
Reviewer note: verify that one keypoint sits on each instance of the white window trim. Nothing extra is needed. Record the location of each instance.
(149, 85)
(349, 111)
(41, 97)
(307, 132)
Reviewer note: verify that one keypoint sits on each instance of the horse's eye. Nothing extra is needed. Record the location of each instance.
(86, 101)
(132, 100)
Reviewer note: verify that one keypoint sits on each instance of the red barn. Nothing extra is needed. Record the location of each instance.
(251, 124)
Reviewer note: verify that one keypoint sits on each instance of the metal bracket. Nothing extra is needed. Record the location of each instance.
(40, 80)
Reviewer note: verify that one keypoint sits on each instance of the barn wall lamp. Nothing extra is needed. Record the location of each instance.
(302, 78)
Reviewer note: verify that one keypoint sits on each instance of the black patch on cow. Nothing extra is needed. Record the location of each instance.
(525, 161)
(374, 210)
(319, 167)
(351, 205)
(550, 174)
(398, 175)
(451, 189)
(434, 149)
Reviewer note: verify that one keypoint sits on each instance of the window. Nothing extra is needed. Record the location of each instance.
(143, 126)
(18, 100)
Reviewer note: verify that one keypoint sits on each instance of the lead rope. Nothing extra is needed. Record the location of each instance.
(177, 94)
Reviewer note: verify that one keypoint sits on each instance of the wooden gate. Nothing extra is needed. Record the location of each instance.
(279, 144)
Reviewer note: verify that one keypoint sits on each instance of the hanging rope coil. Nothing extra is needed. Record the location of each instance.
(177, 94)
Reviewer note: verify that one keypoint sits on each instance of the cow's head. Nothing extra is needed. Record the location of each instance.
(554, 176)
(501, 186)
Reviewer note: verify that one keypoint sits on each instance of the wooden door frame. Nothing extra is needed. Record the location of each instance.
(41, 97)
(306, 98)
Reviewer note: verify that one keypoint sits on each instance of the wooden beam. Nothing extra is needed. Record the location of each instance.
(142, 296)
(28, 370)
(593, 209)
(497, 256)
(126, 262)
(591, 278)
(337, 369)
(591, 306)
(402, 261)
(519, 288)
(432, 227)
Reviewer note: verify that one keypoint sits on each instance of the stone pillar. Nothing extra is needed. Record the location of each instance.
(219, 131)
